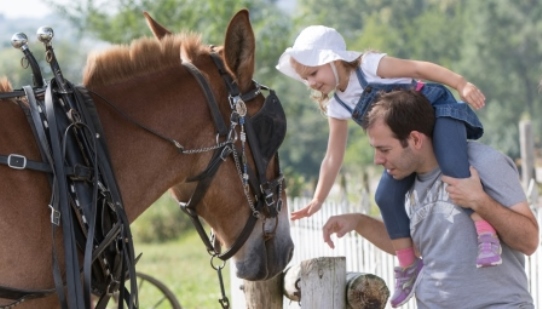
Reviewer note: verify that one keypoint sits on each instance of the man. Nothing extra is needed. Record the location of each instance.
(439, 209)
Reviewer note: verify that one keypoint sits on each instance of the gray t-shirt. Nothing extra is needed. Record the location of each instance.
(447, 240)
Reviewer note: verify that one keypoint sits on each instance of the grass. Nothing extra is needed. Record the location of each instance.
(184, 267)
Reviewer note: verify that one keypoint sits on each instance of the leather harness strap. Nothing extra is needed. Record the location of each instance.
(20, 162)
(72, 145)
(256, 181)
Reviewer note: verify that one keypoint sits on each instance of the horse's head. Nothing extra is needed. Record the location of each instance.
(239, 190)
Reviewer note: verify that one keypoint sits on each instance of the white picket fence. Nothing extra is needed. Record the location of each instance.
(361, 255)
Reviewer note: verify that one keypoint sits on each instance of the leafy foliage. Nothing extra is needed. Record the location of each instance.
(494, 44)
(162, 222)
(504, 56)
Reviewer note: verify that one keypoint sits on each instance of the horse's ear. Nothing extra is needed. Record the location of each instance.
(239, 49)
(158, 30)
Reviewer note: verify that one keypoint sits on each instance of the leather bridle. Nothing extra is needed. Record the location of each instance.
(267, 194)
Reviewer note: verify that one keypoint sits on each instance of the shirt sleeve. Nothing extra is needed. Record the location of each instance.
(336, 110)
(498, 174)
(370, 62)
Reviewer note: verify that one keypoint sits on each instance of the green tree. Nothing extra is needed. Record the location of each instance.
(121, 21)
(503, 54)
(407, 29)
(492, 43)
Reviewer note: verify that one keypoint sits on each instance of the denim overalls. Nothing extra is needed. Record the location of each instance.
(455, 123)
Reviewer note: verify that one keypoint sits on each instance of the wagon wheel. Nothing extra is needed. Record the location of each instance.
(153, 294)
(165, 300)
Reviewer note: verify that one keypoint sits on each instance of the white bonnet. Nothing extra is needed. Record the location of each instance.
(314, 46)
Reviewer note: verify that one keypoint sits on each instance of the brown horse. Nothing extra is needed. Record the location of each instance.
(147, 83)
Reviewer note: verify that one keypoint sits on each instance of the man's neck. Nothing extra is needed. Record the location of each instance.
(428, 163)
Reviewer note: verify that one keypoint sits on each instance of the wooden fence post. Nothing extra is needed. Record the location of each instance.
(363, 290)
(321, 281)
(526, 142)
(366, 291)
(264, 294)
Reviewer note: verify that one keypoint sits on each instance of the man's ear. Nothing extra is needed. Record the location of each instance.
(417, 139)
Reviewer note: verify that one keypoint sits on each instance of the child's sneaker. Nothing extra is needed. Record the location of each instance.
(489, 250)
(405, 283)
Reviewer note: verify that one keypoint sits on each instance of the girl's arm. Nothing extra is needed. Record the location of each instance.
(390, 67)
(331, 164)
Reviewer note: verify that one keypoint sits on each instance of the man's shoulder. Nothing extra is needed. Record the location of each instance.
(484, 156)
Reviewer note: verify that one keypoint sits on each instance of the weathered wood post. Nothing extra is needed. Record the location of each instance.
(323, 283)
(366, 291)
(264, 294)
(363, 291)
(526, 142)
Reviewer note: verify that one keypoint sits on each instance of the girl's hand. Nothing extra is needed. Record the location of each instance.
(306, 211)
(472, 95)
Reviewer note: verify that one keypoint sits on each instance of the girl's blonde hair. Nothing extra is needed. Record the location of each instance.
(322, 98)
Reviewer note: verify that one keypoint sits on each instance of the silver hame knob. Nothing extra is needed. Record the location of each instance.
(45, 34)
(19, 40)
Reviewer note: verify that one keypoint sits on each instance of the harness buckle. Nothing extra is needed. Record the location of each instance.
(17, 161)
(55, 216)
(268, 194)
(226, 151)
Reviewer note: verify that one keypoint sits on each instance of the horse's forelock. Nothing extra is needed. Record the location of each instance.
(142, 56)
(192, 48)
(5, 85)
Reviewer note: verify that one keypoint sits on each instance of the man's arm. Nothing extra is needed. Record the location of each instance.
(516, 225)
(367, 227)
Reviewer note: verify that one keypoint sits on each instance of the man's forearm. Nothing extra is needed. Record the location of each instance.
(515, 225)
(375, 231)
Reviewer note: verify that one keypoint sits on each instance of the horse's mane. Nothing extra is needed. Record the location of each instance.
(5, 85)
(142, 56)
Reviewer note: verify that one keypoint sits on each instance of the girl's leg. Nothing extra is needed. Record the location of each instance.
(390, 198)
(450, 146)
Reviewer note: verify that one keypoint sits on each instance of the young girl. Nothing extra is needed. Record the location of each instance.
(319, 59)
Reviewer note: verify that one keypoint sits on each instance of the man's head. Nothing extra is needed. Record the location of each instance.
(400, 125)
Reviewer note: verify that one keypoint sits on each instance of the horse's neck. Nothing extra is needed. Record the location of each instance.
(146, 165)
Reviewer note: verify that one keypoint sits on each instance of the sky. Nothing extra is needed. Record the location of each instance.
(24, 8)
(37, 8)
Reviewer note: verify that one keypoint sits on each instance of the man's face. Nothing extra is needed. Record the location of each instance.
(398, 161)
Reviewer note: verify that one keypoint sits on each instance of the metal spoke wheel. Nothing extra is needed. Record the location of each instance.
(153, 294)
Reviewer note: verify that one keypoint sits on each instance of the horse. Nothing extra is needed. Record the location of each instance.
(154, 109)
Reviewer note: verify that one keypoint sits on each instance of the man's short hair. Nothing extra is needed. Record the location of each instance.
(403, 111)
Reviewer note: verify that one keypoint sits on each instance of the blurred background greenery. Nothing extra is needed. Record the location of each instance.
(495, 44)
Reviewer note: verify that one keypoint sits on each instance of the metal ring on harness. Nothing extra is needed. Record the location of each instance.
(25, 64)
(213, 264)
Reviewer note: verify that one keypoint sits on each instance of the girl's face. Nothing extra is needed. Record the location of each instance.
(319, 78)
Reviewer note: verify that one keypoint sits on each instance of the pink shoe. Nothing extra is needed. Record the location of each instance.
(489, 250)
(405, 283)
